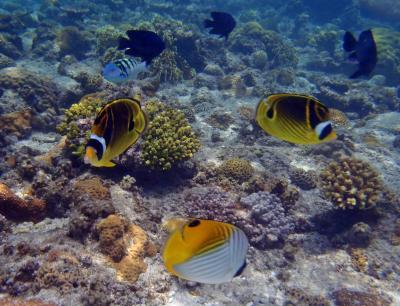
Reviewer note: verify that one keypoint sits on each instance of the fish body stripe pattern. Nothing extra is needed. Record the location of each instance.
(206, 251)
(125, 65)
(295, 118)
(117, 126)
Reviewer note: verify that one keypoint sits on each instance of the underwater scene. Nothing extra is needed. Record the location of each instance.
(213, 153)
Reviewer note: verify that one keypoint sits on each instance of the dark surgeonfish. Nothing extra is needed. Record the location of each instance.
(364, 51)
(144, 44)
(205, 251)
(117, 126)
(222, 24)
(295, 118)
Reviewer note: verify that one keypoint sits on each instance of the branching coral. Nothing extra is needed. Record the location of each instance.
(169, 137)
(76, 121)
(18, 209)
(236, 168)
(351, 184)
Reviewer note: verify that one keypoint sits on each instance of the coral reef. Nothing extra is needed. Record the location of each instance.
(107, 37)
(38, 92)
(74, 42)
(300, 297)
(306, 180)
(252, 37)
(169, 137)
(270, 218)
(76, 122)
(236, 168)
(18, 209)
(16, 124)
(220, 121)
(260, 215)
(92, 187)
(351, 184)
(345, 297)
(126, 245)
(111, 231)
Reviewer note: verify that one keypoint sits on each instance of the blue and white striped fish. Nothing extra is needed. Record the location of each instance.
(123, 70)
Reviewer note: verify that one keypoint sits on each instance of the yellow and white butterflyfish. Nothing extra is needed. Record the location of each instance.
(206, 251)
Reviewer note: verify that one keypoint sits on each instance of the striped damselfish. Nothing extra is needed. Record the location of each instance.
(205, 251)
(117, 126)
(295, 118)
(123, 70)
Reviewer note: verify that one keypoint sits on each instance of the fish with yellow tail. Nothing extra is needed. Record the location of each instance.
(205, 251)
(295, 118)
(117, 126)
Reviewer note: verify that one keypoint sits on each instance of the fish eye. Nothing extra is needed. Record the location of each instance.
(270, 113)
(194, 223)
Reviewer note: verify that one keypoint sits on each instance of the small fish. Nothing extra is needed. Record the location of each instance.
(117, 126)
(222, 24)
(144, 44)
(123, 70)
(397, 91)
(364, 51)
(205, 251)
(295, 118)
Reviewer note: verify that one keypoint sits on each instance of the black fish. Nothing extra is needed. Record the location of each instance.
(144, 44)
(363, 51)
(222, 24)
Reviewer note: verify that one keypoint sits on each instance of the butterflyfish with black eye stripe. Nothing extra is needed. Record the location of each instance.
(118, 125)
(205, 251)
(295, 118)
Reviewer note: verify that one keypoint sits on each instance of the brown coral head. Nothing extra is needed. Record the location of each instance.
(18, 209)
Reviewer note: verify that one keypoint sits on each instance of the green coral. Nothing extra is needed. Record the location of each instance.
(169, 137)
(324, 40)
(388, 45)
(78, 132)
(252, 37)
(351, 184)
(107, 37)
(239, 169)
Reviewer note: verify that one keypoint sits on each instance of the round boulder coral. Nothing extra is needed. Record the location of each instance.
(239, 169)
(351, 184)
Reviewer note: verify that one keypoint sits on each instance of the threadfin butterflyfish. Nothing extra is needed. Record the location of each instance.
(205, 251)
(295, 118)
(117, 126)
